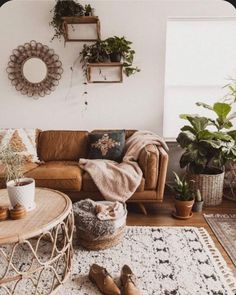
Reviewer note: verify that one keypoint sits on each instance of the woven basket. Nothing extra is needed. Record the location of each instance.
(210, 186)
(90, 243)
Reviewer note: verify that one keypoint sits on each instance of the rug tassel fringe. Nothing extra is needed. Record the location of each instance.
(227, 273)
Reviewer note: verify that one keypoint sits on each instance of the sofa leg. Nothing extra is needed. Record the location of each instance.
(143, 209)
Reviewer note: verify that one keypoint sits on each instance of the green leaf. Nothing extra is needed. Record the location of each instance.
(216, 144)
(222, 136)
(232, 134)
(222, 110)
(185, 138)
(204, 134)
(206, 106)
(198, 123)
(188, 128)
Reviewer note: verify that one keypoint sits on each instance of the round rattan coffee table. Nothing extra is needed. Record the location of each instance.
(36, 252)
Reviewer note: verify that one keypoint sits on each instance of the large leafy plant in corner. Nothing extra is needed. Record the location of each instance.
(209, 142)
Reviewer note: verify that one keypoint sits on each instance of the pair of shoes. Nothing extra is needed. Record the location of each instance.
(105, 283)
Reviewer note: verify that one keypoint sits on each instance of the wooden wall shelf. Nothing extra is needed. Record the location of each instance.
(117, 65)
(81, 20)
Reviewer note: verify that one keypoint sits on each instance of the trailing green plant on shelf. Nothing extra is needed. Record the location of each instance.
(112, 49)
(120, 48)
(182, 189)
(95, 53)
(209, 142)
(66, 8)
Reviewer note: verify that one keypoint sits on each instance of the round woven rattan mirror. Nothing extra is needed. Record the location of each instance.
(34, 69)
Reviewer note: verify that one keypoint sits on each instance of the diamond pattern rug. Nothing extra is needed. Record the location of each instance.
(166, 261)
(224, 227)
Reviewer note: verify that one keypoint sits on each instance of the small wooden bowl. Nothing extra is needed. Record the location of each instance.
(4, 213)
(18, 212)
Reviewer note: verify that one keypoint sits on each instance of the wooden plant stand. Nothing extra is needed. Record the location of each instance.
(36, 252)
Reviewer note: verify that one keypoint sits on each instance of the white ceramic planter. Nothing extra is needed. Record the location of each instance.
(23, 195)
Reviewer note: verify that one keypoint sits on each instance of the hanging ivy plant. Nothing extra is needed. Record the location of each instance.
(61, 9)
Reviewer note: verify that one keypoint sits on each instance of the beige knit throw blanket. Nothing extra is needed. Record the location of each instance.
(118, 181)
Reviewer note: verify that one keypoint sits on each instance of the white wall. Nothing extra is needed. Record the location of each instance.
(137, 103)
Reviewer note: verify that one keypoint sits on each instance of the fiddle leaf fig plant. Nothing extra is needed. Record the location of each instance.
(207, 141)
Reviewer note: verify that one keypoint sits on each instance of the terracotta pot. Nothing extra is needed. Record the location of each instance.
(183, 208)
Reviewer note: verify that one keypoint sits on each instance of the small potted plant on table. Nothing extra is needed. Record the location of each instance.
(21, 190)
(183, 198)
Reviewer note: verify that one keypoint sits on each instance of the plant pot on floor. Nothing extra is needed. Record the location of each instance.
(183, 208)
(197, 206)
(210, 185)
(23, 194)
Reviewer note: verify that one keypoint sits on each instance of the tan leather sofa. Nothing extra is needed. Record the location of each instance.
(60, 151)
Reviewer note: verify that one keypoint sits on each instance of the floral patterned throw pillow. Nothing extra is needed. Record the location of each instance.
(107, 144)
(22, 140)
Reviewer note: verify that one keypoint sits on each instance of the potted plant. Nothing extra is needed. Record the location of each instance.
(95, 53)
(120, 48)
(198, 202)
(183, 198)
(88, 10)
(21, 190)
(61, 9)
(208, 144)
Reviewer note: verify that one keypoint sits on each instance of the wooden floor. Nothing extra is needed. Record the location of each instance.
(160, 215)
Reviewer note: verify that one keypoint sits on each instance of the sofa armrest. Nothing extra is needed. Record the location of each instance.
(163, 165)
(149, 163)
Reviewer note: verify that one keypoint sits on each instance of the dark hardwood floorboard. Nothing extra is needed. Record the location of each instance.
(160, 215)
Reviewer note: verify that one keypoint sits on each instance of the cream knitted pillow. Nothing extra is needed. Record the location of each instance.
(23, 141)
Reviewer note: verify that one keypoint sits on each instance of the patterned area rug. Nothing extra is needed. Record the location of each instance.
(166, 261)
(224, 227)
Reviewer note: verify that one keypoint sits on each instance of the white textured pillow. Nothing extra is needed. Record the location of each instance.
(23, 140)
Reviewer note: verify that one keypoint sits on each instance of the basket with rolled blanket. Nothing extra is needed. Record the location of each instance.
(99, 225)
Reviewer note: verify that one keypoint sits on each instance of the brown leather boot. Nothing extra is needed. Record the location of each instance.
(101, 278)
(128, 281)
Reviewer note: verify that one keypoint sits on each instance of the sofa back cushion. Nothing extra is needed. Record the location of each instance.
(56, 145)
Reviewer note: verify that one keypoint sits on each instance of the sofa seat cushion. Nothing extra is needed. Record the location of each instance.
(60, 175)
(27, 167)
(89, 185)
